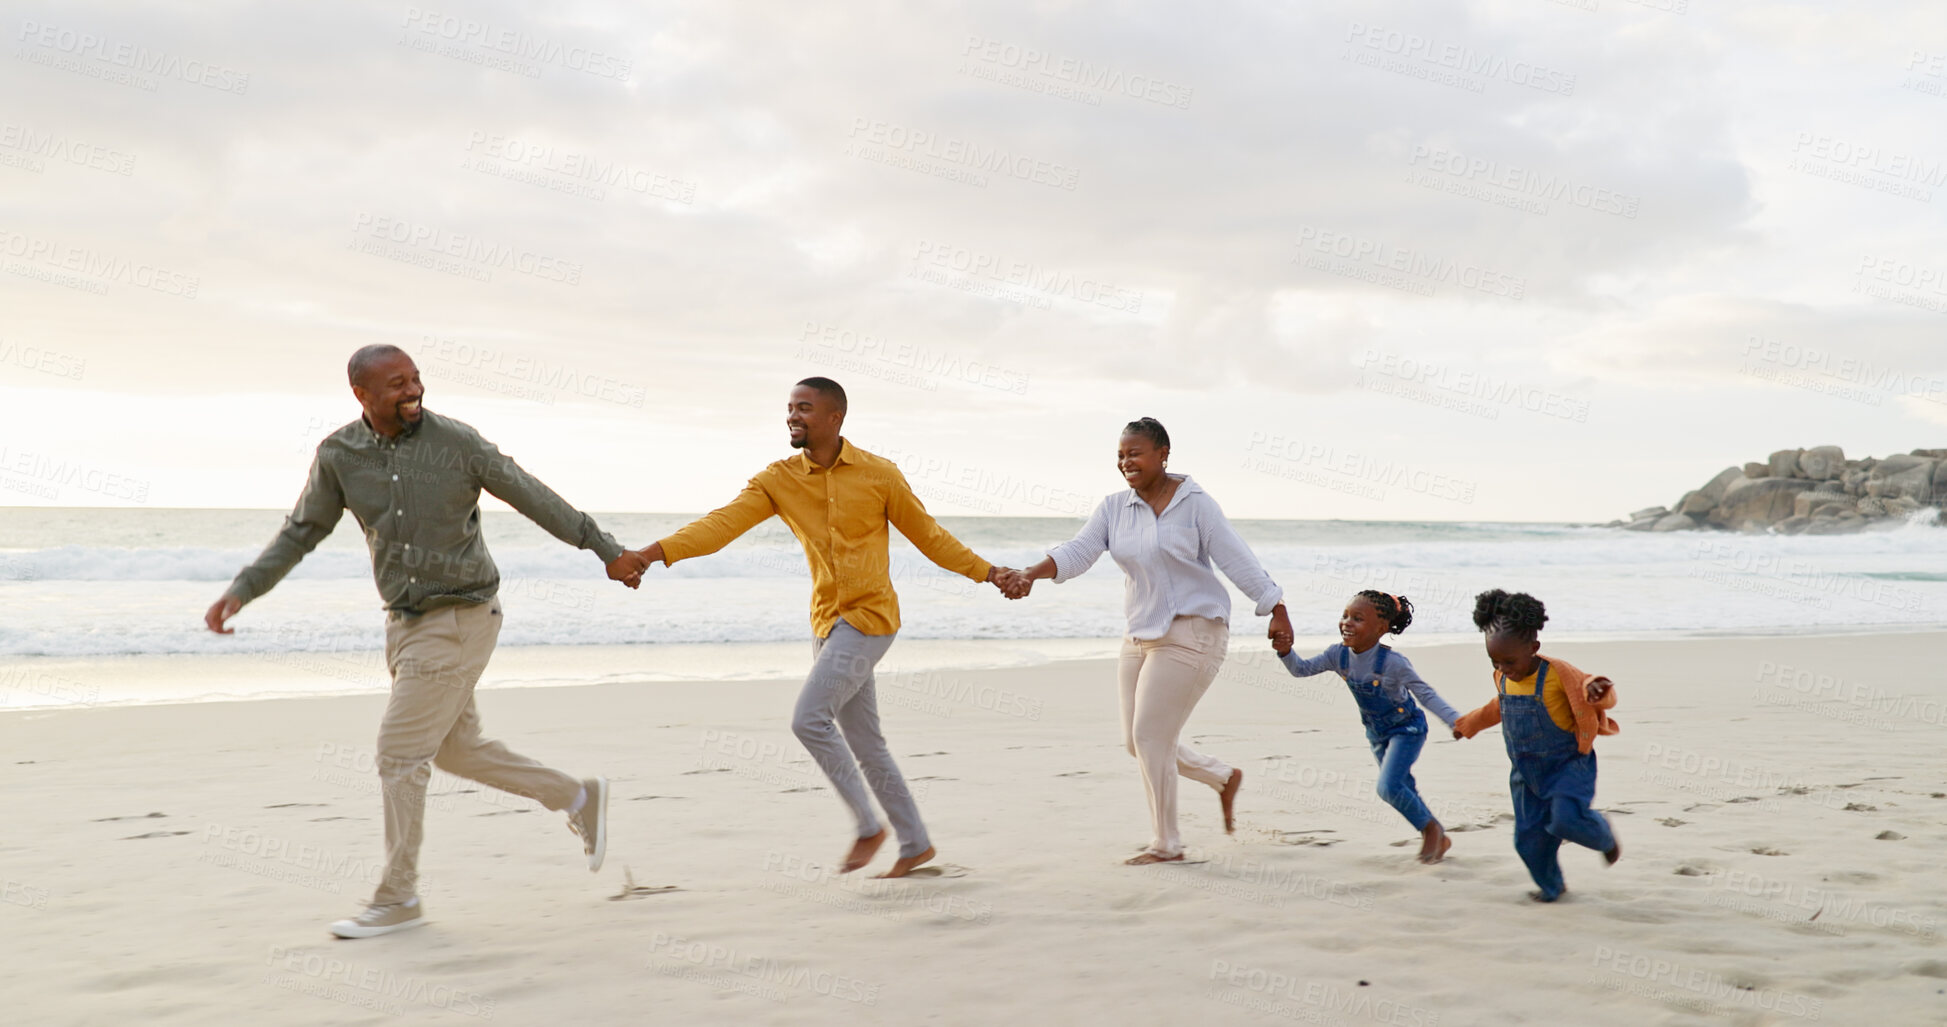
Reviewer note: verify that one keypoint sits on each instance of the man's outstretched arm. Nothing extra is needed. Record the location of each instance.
(318, 509)
(716, 529)
(905, 512)
(510, 482)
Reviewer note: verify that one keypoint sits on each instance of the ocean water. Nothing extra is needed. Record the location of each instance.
(102, 583)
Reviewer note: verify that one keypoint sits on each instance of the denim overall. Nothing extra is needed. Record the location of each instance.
(1553, 783)
(1396, 733)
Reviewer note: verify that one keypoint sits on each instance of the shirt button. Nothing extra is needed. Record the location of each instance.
(413, 580)
(402, 513)
(395, 477)
(408, 545)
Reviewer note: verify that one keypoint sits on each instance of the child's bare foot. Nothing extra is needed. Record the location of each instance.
(1434, 843)
(906, 864)
(1229, 798)
(1614, 853)
(1143, 859)
(862, 852)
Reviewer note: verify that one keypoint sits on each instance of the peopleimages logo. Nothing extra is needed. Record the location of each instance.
(994, 160)
(130, 58)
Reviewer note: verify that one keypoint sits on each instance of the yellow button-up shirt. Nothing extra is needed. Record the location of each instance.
(839, 514)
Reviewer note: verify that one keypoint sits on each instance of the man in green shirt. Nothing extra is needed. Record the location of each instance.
(413, 479)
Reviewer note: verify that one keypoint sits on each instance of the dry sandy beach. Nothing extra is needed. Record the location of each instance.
(1780, 802)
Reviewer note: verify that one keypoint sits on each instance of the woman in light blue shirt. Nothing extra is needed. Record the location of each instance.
(1165, 532)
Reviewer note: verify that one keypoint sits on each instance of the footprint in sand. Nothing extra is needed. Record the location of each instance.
(1860, 807)
(503, 813)
(917, 755)
(1889, 836)
(1691, 870)
(321, 820)
(707, 770)
(938, 870)
(154, 834)
(632, 890)
(132, 816)
(1306, 838)
(1487, 826)
(1671, 821)
(807, 788)
(1766, 850)
(290, 805)
(646, 798)
(1927, 968)
(1073, 773)
(935, 777)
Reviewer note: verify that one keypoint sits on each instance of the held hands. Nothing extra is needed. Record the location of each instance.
(1599, 687)
(1280, 631)
(627, 568)
(222, 610)
(1012, 583)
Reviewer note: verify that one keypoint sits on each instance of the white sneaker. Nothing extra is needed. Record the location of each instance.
(591, 821)
(377, 920)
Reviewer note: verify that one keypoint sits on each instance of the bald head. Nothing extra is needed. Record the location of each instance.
(387, 385)
(369, 358)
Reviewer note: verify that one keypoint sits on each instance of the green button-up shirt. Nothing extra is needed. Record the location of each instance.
(417, 497)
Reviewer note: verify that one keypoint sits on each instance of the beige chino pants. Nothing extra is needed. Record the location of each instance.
(1161, 681)
(436, 658)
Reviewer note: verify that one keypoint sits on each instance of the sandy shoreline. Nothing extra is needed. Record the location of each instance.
(1751, 786)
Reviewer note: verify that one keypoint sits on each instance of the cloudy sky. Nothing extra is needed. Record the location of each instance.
(1506, 259)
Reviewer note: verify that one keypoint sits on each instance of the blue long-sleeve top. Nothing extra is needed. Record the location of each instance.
(1399, 678)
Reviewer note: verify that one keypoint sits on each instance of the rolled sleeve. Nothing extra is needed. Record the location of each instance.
(1078, 554)
(1232, 556)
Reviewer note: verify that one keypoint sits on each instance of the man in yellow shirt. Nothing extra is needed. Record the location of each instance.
(839, 500)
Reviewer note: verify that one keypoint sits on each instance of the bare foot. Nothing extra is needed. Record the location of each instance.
(1614, 853)
(1143, 859)
(1229, 798)
(906, 864)
(1434, 843)
(862, 852)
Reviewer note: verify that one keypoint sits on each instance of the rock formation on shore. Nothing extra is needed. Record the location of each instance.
(1813, 491)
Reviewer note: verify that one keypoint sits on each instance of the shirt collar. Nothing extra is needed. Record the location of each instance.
(844, 457)
(1184, 488)
(411, 429)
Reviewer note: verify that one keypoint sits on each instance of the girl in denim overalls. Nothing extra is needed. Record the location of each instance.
(1384, 683)
(1554, 767)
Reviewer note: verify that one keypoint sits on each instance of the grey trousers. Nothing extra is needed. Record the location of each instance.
(838, 721)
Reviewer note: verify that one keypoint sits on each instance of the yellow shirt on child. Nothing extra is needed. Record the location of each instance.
(1552, 697)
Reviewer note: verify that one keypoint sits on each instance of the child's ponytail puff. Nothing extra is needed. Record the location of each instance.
(1518, 613)
(1398, 610)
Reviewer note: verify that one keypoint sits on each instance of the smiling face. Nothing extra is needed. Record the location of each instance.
(390, 392)
(812, 418)
(1140, 461)
(1361, 626)
(1513, 656)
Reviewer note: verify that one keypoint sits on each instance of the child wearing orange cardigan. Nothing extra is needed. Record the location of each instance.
(1550, 714)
